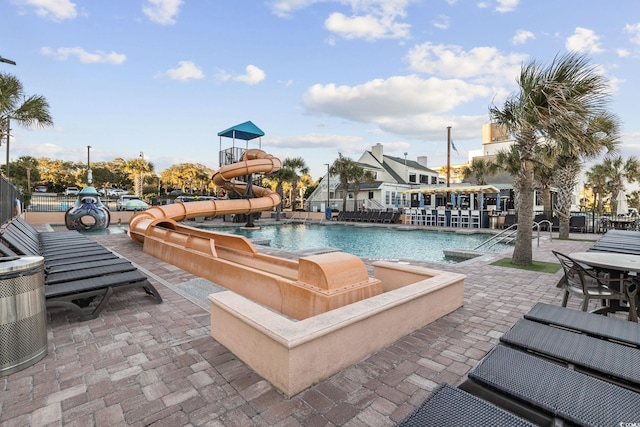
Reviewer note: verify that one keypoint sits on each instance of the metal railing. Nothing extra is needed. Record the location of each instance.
(8, 196)
(507, 234)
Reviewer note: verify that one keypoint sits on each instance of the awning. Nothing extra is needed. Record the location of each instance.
(469, 189)
(245, 131)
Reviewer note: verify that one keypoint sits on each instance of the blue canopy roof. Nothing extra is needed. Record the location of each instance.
(245, 131)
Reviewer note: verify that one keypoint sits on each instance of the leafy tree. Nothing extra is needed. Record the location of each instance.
(16, 106)
(22, 178)
(551, 105)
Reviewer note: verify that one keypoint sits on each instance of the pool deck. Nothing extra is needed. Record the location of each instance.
(141, 363)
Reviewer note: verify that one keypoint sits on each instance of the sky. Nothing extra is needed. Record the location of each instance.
(319, 77)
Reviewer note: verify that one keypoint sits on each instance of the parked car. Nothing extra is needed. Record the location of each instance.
(115, 192)
(41, 189)
(71, 191)
(185, 199)
(130, 202)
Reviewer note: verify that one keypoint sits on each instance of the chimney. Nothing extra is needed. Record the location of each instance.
(376, 150)
(422, 161)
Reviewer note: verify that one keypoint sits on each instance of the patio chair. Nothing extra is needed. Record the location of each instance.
(590, 284)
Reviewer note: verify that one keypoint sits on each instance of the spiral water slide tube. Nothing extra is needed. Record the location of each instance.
(299, 289)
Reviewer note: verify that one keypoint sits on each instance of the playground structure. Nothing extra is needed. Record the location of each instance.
(87, 213)
(294, 322)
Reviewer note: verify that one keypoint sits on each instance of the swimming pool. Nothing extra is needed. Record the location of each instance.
(366, 242)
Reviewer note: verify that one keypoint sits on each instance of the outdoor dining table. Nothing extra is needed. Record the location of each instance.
(621, 223)
(614, 263)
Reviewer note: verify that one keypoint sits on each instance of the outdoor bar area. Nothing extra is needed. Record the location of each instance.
(461, 206)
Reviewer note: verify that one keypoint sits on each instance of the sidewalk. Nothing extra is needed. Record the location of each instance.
(142, 363)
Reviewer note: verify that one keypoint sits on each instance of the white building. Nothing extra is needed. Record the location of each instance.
(393, 176)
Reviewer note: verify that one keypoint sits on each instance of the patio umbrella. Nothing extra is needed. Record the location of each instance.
(397, 201)
(497, 201)
(460, 200)
(622, 208)
(421, 201)
(453, 200)
(480, 201)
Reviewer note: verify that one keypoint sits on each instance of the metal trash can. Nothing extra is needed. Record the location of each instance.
(23, 314)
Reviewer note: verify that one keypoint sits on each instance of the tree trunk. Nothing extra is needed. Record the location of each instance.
(523, 253)
(546, 201)
(566, 179)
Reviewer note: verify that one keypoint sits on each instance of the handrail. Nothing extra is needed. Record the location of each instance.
(500, 236)
(538, 224)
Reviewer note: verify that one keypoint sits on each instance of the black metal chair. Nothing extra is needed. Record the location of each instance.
(592, 284)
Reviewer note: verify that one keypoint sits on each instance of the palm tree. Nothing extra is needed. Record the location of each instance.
(479, 169)
(138, 168)
(298, 166)
(509, 161)
(600, 133)
(359, 176)
(551, 105)
(597, 181)
(282, 175)
(25, 110)
(617, 171)
(344, 168)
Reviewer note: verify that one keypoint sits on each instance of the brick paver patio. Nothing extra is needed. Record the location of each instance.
(142, 363)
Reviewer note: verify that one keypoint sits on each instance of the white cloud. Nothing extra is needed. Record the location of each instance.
(483, 64)
(252, 76)
(187, 70)
(56, 10)
(522, 36)
(584, 40)
(441, 22)
(98, 57)
(507, 5)
(383, 101)
(366, 27)
(162, 12)
(634, 30)
(369, 19)
(285, 8)
(623, 53)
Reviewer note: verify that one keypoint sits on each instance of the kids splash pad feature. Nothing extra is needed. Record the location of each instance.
(87, 213)
(309, 318)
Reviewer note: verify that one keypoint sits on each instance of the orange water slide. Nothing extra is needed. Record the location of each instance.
(297, 288)
(253, 161)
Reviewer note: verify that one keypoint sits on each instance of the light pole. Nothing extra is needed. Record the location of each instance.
(7, 61)
(89, 175)
(328, 189)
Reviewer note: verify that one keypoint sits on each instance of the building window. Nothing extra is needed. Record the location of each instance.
(370, 195)
(387, 198)
(434, 179)
(412, 177)
(424, 179)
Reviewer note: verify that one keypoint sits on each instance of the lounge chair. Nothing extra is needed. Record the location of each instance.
(77, 269)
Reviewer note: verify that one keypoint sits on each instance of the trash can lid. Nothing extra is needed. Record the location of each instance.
(10, 265)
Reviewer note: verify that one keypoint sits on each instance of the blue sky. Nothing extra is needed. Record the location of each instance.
(319, 77)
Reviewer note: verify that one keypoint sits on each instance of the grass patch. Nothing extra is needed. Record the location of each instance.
(537, 266)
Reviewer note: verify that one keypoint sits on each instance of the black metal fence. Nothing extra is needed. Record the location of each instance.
(52, 202)
(10, 196)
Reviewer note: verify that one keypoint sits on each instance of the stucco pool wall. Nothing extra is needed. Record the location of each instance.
(294, 355)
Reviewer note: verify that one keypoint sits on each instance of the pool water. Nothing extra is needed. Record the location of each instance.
(367, 242)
